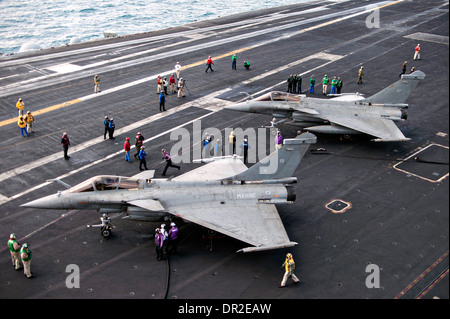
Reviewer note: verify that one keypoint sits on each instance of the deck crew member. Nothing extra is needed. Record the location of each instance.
(312, 82)
(142, 156)
(417, 52)
(233, 61)
(173, 238)
(299, 84)
(112, 127)
(168, 159)
(278, 140)
(178, 69)
(29, 119)
(159, 240)
(25, 254)
(339, 85)
(232, 141)
(172, 84)
(181, 88)
(126, 147)
(360, 75)
(325, 81)
(20, 106)
(162, 102)
(209, 64)
(106, 125)
(289, 266)
(96, 84)
(65, 144)
(245, 146)
(23, 126)
(14, 249)
(138, 142)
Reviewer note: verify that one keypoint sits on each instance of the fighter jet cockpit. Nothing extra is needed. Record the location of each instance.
(279, 96)
(103, 183)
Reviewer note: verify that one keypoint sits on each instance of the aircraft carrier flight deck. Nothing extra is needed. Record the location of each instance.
(360, 205)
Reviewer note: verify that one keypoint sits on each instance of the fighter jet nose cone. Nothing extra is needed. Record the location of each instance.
(243, 107)
(48, 202)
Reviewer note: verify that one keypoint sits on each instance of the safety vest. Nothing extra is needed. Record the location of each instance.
(29, 118)
(26, 251)
(21, 123)
(11, 246)
(289, 265)
(20, 105)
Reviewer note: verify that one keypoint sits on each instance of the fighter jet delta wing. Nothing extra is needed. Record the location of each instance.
(384, 130)
(257, 224)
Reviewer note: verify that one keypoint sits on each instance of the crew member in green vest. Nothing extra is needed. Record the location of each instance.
(25, 254)
(246, 65)
(312, 82)
(333, 85)
(233, 61)
(14, 248)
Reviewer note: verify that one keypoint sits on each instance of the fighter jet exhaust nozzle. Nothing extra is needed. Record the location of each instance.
(404, 116)
(291, 196)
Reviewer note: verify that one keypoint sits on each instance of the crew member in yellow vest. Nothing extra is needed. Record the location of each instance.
(25, 254)
(29, 119)
(23, 126)
(289, 266)
(20, 105)
(14, 248)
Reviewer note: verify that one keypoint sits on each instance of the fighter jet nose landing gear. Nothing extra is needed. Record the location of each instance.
(105, 226)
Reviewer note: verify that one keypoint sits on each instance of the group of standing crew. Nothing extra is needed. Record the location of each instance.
(20, 254)
(25, 123)
(166, 241)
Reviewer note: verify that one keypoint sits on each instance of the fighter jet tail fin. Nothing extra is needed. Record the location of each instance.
(280, 164)
(398, 92)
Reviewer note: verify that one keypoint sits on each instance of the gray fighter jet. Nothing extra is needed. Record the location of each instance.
(346, 114)
(223, 195)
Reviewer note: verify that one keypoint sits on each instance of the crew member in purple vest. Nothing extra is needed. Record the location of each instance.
(173, 238)
(168, 162)
(278, 140)
(159, 240)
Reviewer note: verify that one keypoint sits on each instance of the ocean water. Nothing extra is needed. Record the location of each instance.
(52, 23)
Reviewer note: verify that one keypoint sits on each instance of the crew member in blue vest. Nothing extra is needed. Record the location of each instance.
(245, 147)
(112, 126)
(142, 156)
(162, 102)
(106, 124)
